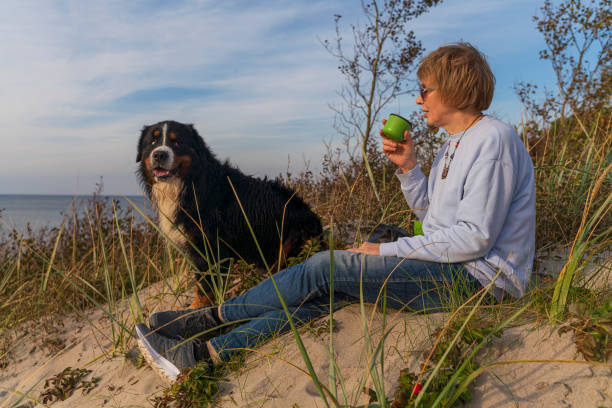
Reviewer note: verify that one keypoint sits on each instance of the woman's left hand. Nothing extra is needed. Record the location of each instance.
(368, 248)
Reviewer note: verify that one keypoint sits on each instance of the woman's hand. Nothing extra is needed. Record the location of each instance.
(400, 153)
(368, 248)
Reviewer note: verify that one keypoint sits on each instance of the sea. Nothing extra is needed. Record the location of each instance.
(17, 211)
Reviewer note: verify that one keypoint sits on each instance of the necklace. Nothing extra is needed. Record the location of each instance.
(448, 160)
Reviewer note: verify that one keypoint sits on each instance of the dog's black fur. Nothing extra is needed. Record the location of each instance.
(187, 183)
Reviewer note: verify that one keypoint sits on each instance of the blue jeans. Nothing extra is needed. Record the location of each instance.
(410, 284)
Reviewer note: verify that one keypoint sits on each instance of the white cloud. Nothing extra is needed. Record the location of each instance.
(69, 67)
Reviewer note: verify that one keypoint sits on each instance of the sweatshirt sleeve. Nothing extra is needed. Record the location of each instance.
(414, 188)
(487, 196)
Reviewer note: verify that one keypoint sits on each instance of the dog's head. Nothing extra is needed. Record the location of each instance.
(168, 149)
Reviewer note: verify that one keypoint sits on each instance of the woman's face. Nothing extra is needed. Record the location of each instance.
(434, 110)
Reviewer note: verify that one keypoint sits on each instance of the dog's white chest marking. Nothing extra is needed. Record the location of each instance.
(166, 198)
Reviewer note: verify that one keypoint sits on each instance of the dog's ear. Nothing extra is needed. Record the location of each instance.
(198, 140)
(141, 143)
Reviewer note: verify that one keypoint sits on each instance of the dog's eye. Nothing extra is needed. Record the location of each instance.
(176, 143)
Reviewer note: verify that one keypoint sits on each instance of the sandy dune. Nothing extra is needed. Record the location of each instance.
(268, 378)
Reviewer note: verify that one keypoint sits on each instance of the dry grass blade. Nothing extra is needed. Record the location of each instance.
(581, 243)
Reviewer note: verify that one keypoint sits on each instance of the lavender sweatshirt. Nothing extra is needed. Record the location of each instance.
(482, 214)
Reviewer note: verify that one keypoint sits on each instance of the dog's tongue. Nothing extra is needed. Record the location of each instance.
(161, 172)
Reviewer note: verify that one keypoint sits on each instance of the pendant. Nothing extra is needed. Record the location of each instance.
(444, 172)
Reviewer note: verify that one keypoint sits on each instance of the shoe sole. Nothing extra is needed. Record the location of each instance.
(157, 362)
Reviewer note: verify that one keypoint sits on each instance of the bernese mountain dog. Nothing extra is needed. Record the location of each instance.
(198, 209)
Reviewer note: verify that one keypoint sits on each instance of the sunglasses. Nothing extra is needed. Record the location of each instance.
(423, 91)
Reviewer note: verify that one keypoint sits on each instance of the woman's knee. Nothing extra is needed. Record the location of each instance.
(317, 267)
(320, 263)
(324, 257)
(318, 260)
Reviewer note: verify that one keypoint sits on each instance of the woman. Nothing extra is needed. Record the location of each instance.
(478, 215)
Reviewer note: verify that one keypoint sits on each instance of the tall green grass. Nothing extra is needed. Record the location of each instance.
(574, 196)
(97, 249)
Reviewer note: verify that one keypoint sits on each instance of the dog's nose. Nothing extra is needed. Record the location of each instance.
(160, 155)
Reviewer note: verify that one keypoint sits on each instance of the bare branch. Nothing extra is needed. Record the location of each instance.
(377, 68)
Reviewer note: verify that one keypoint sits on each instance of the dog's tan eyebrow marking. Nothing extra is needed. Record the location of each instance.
(156, 133)
(172, 136)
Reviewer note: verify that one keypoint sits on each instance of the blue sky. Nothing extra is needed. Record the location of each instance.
(80, 79)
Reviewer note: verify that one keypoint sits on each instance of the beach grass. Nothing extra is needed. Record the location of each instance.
(103, 258)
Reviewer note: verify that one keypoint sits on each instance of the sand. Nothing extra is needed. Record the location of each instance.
(272, 378)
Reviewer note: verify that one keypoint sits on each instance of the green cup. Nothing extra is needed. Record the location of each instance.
(395, 127)
(418, 227)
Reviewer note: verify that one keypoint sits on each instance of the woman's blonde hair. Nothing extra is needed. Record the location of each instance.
(461, 74)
